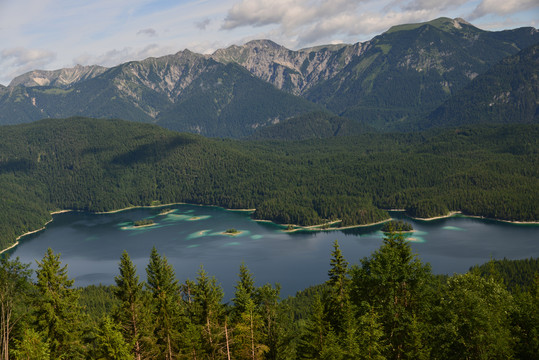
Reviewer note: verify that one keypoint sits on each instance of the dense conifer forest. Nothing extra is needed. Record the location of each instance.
(387, 306)
(102, 165)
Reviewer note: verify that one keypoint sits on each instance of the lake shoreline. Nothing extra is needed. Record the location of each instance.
(460, 214)
(28, 233)
(298, 227)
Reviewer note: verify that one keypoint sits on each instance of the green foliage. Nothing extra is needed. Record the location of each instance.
(143, 222)
(110, 342)
(58, 314)
(525, 320)
(315, 125)
(31, 346)
(165, 293)
(337, 299)
(397, 226)
(14, 299)
(388, 306)
(507, 93)
(473, 320)
(97, 300)
(131, 313)
(514, 274)
(393, 282)
(101, 165)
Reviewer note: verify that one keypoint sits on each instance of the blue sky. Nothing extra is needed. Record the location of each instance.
(51, 34)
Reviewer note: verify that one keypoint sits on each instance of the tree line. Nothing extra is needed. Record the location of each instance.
(101, 165)
(387, 306)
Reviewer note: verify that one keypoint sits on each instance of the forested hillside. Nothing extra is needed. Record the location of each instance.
(410, 70)
(507, 93)
(313, 125)
(386, 306)
(99, 165)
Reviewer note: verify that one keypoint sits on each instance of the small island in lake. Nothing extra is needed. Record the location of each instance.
(143, 222)
(232, 232)
(397, 226)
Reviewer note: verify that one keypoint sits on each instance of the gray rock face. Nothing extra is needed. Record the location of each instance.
(61, 78)
(292, 71)
(168, 75)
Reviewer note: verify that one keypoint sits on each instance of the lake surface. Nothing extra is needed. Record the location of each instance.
(191, 236)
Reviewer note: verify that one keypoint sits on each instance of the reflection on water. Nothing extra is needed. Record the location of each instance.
(191, 236)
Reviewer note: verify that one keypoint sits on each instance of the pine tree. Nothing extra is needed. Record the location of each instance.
(393, 281)
(473, 320)
(318, 340)
(110, 342)
(31, 347)
(337, 302)
(245, 289)
(371, 337)
(248, 333)
(209, 313)
(131, 311)
(14, 287)
(58, 313)
(267, 300)
(165, 291)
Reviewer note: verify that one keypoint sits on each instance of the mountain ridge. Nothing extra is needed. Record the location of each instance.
(388, 82)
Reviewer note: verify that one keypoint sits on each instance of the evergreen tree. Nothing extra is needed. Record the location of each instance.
(248, 333)
(14, 287)
(393, 281)
(370, 337)
(209, 314)
(58, 313)
(274, 321)
(130, 313)
(31, 347)
(162, 284)
(337, 302)
(472, 320)
(318, 340)
(110, 342)
(245, 290)
(526, 321)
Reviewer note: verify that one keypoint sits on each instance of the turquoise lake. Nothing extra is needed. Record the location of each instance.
(191, 236)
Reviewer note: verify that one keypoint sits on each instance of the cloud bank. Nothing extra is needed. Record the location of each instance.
(307, 21)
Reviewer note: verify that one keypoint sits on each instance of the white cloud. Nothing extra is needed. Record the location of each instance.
(117, 56)
(429, 4)
(503, 7)
(305, 22)
(148, 32)
(289, 13)
(18, 60)
(203, 24)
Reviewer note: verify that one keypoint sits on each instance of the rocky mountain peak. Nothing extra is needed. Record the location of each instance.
(61, 78)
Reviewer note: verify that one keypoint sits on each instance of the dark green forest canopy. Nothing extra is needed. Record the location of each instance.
(386, 306)
(100, 165)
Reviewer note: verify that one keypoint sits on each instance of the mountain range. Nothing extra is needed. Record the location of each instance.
(413, 76)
